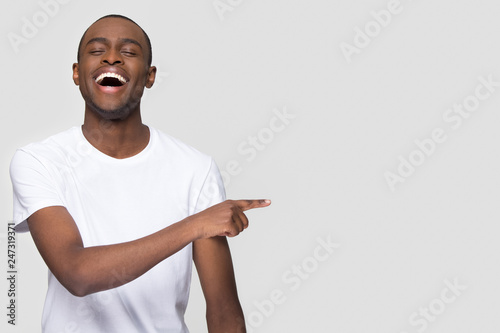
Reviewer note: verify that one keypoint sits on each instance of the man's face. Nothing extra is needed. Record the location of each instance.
(113, 69)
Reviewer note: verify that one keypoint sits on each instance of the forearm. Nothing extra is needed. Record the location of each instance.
(215, 268)
(226, 318)
(98, 268)
(85, 270)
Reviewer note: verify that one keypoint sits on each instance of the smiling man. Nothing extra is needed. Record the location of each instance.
(119, 210)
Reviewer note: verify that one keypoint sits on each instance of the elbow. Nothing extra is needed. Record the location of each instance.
(77, 291)
(77, 283)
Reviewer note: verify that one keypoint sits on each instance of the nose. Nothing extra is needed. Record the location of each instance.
(112, 57)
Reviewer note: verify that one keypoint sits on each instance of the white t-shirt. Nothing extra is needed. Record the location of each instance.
(113, 201)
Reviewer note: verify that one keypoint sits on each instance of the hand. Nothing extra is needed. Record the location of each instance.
(224, 219)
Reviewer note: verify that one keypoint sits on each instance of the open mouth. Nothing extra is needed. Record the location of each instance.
(110, 80)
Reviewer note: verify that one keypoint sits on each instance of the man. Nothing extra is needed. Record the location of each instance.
(118, 209)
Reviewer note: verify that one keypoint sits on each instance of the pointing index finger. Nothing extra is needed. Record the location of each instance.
(250, 204)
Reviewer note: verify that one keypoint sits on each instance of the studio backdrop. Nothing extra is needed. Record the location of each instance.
(372, 125)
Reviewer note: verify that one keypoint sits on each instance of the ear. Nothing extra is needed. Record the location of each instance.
(150, 80)
(76, 74)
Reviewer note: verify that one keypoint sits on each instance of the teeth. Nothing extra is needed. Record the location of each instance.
(114, 75)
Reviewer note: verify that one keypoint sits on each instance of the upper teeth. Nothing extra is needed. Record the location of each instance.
(116, 76)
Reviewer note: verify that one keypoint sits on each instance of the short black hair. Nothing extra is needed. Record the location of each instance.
(150, 56)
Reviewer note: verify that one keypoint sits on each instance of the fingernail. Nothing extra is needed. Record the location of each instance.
(267, 201)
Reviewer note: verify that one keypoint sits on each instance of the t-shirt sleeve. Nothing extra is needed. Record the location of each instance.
(33, 188)
(212, 192)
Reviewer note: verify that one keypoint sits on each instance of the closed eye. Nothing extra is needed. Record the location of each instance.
(96, 52)
(129, 53)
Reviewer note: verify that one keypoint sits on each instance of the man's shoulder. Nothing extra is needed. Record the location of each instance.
(54, 144)
(40, 157)
(179, 148)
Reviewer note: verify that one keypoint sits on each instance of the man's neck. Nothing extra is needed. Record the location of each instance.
(119, 138)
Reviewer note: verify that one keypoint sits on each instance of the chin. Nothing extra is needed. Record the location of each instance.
(117, 113)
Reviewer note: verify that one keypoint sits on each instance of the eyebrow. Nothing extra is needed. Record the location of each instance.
(106, 41)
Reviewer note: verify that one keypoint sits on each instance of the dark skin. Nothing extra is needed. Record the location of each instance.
(113, 125)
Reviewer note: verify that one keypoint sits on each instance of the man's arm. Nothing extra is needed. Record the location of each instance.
(85, 270)
(215, 269)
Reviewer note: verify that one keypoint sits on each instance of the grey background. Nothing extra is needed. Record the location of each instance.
(219, 82)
